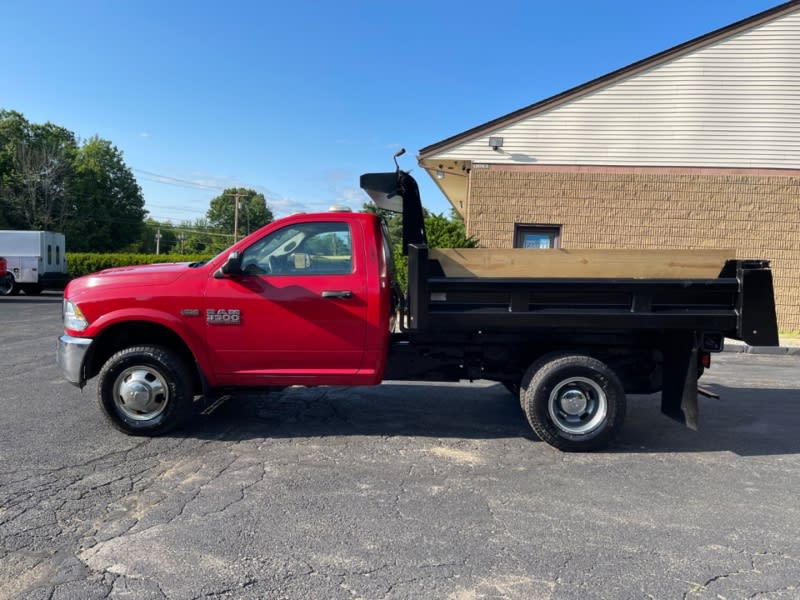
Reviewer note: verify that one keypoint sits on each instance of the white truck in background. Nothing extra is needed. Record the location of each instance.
(35, 260)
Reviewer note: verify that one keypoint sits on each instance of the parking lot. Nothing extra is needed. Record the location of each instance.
(399, 491)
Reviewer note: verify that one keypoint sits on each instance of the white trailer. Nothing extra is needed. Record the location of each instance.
(35, 260)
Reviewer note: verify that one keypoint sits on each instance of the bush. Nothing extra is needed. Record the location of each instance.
(83, 263)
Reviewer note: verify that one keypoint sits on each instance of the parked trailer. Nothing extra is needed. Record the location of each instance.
(35, 260)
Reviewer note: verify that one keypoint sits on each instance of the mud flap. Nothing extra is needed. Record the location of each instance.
(679, 390)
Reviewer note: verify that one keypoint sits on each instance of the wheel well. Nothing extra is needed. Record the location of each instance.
(135, 333)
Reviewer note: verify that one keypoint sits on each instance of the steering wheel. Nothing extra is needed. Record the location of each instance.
(254, 269)
(274, 265)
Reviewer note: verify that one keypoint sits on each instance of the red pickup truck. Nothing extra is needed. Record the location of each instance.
(310, 299)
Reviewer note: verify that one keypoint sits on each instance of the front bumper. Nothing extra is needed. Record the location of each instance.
(70, 356)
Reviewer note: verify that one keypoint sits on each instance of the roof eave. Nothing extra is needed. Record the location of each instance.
(627, 71)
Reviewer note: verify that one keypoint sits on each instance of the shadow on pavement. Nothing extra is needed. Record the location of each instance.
(479, 412)
(745, 421)
(44, 298)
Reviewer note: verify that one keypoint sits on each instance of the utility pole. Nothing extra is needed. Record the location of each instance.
(158, 240)
(236, 217)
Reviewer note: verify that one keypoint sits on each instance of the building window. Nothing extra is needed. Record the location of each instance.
(537, 236)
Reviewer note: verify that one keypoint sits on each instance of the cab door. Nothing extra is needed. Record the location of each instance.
(298, 311)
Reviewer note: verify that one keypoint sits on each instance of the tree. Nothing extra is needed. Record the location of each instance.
(254, 212)
(200, 237)
(48, 181)
(447, 232)
(146, 242)
(14, 128)
(441, 231)
(106, 208)
(35, 168)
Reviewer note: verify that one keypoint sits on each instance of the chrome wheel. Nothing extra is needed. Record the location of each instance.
(141, 393)
(578, 405)
(145, 390)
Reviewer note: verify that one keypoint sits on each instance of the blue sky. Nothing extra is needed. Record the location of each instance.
(297, 98)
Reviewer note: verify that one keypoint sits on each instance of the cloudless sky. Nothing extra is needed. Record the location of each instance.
(296, 98)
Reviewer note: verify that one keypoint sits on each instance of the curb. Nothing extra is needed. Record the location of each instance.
(742, 348)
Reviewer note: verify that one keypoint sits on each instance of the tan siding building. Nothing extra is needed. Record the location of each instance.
(696, 147)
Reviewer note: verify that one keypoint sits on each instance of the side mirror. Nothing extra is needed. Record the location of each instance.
(232, 266)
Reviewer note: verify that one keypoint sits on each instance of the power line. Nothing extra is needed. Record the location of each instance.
(169, 180)
(123, 221)
(198, 231)
(177, 209)
(177, 181)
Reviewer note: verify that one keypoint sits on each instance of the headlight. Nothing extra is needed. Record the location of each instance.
(73, 317)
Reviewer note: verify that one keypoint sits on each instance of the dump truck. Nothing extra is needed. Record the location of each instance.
(312, 300)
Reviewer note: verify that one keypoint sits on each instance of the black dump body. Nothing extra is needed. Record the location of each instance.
(654, 332)
(739, 303)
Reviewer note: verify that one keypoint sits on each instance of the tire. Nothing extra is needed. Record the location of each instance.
(573, 402)
(158, 387)
(8, 286)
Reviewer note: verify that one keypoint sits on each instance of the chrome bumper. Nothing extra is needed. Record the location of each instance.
(69, 356)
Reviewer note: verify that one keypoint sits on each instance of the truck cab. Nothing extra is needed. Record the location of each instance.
(304, 302)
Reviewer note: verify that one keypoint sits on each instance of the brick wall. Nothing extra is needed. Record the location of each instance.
(757, 213)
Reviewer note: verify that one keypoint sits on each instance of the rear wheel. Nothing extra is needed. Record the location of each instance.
(8, 285)
(145, 390)
(573, 402)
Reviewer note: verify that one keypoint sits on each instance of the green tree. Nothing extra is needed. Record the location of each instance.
(441, 231)
(49, 181)
(201, 238)
(107, 208)
(254, 212)
(146, 243)
(447, 232)
(14, 129)
(36, 165)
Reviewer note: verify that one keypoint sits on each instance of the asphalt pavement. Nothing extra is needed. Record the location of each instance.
(398, 491)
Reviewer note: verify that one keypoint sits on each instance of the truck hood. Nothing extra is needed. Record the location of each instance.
(139, 275)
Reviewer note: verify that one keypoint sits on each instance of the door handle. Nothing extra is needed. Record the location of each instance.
(337, 294)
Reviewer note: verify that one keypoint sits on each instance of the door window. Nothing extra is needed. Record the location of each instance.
(316, 248)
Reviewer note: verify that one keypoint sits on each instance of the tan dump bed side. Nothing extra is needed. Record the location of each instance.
(637, 264)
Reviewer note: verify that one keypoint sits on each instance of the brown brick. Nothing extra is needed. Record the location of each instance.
(759, 216)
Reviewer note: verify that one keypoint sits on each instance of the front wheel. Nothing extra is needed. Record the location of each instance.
(145, 390)
(573, 402)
